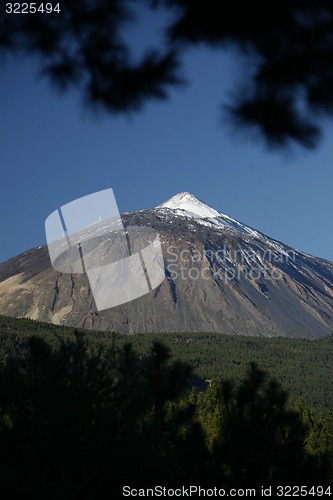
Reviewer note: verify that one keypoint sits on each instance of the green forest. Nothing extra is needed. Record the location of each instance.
(83, 413)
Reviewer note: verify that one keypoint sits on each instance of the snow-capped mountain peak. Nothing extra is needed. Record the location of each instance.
(187, 205)
(190, 206)
(221, 276)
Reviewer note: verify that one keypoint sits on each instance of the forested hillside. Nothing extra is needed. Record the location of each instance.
(81, 414)
(302, 367)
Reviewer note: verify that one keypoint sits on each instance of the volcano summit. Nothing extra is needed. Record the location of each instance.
(221, 276)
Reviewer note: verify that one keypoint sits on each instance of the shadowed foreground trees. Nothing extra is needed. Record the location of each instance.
(76, 422)
(260, 437)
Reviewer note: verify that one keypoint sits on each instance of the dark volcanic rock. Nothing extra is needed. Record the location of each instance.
(221, 276)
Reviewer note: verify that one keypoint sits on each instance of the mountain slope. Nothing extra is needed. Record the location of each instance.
(221, 276)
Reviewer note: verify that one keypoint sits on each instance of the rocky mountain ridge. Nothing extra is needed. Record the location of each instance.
(221, 276)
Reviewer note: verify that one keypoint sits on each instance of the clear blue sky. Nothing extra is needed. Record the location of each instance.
(53, 151)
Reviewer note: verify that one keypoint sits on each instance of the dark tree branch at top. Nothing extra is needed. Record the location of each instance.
(286, 90)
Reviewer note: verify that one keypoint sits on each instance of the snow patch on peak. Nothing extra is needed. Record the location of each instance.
(189, 206)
